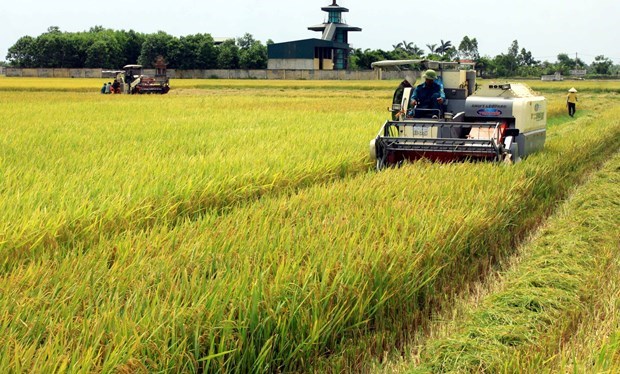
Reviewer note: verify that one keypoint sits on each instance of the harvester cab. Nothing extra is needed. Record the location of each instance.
(499, 122)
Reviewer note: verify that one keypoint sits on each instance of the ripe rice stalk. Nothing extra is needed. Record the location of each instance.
(280, 284)
(283, 283)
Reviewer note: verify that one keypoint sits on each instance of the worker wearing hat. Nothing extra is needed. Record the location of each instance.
(571, 101)
(428, 95)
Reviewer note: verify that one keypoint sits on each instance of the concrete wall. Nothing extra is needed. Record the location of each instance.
(53, 73)
(277, 74)
(290, 64)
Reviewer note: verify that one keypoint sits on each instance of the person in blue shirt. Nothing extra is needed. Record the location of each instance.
(428, 95)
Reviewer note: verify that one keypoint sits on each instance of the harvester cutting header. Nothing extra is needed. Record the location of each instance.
(449, 118)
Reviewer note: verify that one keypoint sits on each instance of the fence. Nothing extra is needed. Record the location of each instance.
(274, 74)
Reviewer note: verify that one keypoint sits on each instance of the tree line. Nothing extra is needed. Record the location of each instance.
(111, 49)
(517, 61)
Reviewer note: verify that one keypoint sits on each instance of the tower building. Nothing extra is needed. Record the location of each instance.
(337, 31)
(330, 52)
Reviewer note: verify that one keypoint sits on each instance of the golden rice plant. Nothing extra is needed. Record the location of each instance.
(77, 166)
(283, 283)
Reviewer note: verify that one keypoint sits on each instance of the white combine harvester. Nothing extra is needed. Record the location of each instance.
(498, 122)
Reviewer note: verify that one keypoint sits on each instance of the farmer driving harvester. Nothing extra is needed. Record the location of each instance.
(430, 94)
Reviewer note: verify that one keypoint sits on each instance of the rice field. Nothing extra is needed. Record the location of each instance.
(238, 226)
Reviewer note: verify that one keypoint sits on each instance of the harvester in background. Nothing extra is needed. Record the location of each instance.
(496, 122)
(133, 80)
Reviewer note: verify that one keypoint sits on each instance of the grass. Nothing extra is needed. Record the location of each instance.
(331, 271)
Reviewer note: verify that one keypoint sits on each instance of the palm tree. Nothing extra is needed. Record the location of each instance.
(416, 51)
(432, 48)
(444, 47)
(409, 48)
(397, 46)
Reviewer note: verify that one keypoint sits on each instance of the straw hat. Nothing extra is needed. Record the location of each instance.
(572, 90)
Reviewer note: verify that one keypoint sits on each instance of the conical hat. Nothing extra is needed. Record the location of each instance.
(572, 90)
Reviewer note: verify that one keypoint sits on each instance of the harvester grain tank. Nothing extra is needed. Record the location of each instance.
(495, 122)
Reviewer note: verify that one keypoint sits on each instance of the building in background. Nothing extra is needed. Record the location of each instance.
(218, 41)
(330, 52)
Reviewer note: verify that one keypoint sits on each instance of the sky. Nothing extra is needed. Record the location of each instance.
(546, 28)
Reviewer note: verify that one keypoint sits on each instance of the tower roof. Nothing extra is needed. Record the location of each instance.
(335, 21)
(342, 26)
(334, 7)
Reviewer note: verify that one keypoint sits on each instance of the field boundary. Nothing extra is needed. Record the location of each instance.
(269, 74)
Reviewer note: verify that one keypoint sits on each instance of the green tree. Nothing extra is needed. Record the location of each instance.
(408, 49)
(525, 58)
(131, 46)
(246, 41)
(159, 44)
(48, 50)
(565, 64)
(485, 66)
(22, 53)
(444, 47)
(602, 65)
(103, 53)
(207, 53)
(254, 57)
(506, 64)
(252, 53)
(188, 50)
(362, 60)
(527, 65)
(449, 54)
(468, 49)
(228, 55)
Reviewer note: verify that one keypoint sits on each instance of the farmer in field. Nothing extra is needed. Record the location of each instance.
(428, 95)
(116, 87)
(571, 101)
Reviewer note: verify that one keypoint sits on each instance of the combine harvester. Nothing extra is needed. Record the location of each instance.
(495, 122)
(133, 81)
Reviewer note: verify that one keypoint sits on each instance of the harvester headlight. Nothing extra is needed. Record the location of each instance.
(505, 86)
